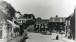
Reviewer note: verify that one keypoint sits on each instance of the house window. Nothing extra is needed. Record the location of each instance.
(60, 20)
(53, 20)
(45, 25)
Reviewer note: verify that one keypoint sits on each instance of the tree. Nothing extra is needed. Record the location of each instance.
(29, 16)
(7, 9)
(28, 23)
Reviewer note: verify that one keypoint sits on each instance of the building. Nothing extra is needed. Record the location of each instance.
(57, 23)
(41, 25)
(49, 24)
(70, 26)
(25, 17)
(75, 22)
(57, 19)
(6, 13)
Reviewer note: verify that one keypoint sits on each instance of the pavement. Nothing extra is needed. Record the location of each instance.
(38, 37)
(16, 39)
(68, 40)
(19, 38)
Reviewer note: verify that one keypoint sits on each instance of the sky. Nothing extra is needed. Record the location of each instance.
(44, 8)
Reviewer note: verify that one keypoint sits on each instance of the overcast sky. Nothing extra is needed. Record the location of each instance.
(44, 8)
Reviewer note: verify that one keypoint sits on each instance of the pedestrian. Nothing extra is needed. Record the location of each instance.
(21, 30)
(57, 37)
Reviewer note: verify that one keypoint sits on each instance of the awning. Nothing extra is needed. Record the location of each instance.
(13, 24)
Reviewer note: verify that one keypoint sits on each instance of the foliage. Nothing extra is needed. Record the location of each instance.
(8, 9)
(28, 23)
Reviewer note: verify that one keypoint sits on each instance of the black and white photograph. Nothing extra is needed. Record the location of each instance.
(37, 20)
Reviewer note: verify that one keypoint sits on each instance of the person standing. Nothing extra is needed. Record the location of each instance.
(57, 37)
(21, 30)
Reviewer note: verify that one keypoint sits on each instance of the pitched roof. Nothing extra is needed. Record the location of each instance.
(43, 21)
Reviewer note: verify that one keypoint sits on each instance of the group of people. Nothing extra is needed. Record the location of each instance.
(22, 32)
(18, 30)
